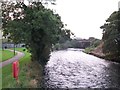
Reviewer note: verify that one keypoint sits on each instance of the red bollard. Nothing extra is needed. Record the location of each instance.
(15, 68)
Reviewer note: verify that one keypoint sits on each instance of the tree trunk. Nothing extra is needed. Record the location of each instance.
(14, 49)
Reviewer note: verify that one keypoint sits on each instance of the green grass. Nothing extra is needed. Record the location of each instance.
(6, 54)
(89, 49)
(7, 79)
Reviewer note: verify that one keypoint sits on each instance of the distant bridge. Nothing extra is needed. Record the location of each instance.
(83, 43)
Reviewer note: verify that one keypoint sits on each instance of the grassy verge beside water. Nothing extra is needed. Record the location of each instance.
(28, 76)
(6, 54)
(88, 50)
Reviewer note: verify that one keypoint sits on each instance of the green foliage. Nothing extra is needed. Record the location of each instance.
(88, 49)
(94, 42)
(62, 46)
(65, 36)
(111, 36)
(75, 43)
(39, 28)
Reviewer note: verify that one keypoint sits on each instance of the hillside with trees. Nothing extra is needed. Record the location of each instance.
(109, 47)
(111, 37)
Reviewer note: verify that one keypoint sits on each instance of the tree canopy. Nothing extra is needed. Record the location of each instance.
(111, 36)
(36, 26)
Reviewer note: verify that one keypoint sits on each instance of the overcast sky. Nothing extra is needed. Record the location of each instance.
(84, 17)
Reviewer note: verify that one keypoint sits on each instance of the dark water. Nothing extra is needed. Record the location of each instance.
(74, 69)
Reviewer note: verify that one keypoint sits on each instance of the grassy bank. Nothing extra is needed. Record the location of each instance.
(89, 49)
(97, 51)
(6, 54)
(27, 75)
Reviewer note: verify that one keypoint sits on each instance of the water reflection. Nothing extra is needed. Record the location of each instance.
(74, 69)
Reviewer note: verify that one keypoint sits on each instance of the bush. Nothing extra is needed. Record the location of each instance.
(24, 49)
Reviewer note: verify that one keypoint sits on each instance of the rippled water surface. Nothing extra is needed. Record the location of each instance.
(74, 69)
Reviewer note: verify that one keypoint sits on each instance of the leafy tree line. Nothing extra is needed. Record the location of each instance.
(111, 36)
(94, 43)
(36, 26)
(77, 43)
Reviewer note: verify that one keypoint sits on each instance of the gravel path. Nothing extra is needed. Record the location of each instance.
(15, 58)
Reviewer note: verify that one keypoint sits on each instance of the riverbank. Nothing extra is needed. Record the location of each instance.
(29, 76)
(99, 53)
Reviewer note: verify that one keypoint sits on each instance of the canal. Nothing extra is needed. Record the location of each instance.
(72, 68)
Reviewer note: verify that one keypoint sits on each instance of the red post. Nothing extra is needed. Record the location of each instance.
(15, 68)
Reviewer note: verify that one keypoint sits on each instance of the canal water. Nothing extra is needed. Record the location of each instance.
(72, 68)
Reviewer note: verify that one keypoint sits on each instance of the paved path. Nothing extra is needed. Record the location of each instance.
(15, 58)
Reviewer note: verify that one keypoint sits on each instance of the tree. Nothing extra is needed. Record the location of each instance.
(39, 28)
(111, 36)
(94, 42)
(65, 35)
